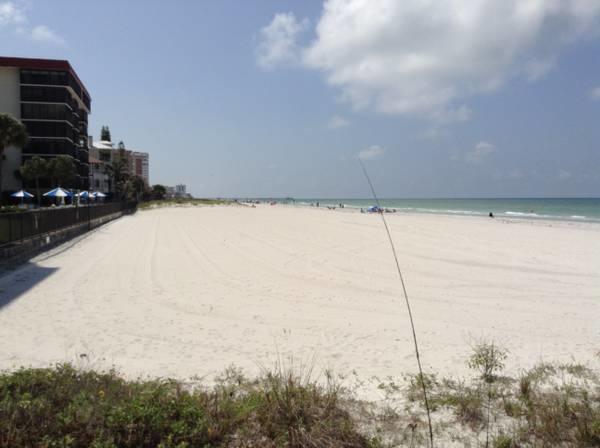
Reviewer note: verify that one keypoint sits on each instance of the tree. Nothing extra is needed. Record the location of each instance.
(118, 171)
(134, 188)
(12, 133)
(34, 169)
(62, 168)
(105, 134)
(159, 191)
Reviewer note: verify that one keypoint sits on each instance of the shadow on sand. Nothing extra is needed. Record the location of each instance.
(15, 283)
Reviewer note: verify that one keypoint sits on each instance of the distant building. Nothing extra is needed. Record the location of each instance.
(52, 102)
(102, 155)
(139, 165)
(178, 191)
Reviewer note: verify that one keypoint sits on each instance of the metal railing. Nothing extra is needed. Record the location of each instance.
(20, 226)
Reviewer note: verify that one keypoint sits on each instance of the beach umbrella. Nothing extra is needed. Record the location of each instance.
(83, 195)
(98, 194)
(22, 194)
(60, 193)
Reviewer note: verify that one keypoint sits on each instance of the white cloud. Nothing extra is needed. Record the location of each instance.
(42, 33)
(538, 68)
(513, 175)
(11, 14)
(337, 122)
(564, 174)
(427, 57)
(595, 93)
(371, 153)
(277, 42)
(516, 173)
(480, 152)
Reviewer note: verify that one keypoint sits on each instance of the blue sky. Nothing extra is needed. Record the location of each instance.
(486, 98)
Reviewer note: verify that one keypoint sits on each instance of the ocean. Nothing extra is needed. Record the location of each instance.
(572, 209)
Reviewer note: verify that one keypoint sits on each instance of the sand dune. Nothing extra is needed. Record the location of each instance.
(189, 291)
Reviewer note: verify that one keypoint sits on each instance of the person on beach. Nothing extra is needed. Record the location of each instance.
(491, 215)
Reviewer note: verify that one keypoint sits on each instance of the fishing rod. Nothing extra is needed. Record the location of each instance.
(412, 324)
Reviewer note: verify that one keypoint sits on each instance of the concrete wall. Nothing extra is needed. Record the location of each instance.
(10, 102)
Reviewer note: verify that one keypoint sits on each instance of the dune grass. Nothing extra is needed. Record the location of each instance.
(147, 205)
(549, 405)
(66, 407)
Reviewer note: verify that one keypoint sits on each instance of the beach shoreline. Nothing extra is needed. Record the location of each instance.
(188, 291)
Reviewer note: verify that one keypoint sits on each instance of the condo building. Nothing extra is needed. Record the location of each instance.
(53, 104)
(101, 158)
(139, 165)
(102, 155)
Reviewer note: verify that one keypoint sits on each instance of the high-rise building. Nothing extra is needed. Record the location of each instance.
(52, 102)
(101, 158)
(139, 165)
(104, 153)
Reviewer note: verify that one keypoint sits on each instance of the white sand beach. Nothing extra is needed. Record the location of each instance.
(181, 292)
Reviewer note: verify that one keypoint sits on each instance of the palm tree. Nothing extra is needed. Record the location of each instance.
(34, 169)
(159, 191)
(62, 168)
(135, 188)
(120, 172)
(12, 133)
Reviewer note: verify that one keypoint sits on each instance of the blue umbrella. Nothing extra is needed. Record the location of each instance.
(58, 193)
(21, 194)
(84, 194)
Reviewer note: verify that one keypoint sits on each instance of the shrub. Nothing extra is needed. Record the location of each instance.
(63, 406)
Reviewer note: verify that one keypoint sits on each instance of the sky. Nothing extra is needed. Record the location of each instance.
(461, 98)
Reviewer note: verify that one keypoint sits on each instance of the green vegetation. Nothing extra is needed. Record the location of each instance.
(61, 169)
(12, 133)
(11, 209)
(181, 202)
(105, 134)
(64, 407)
(118, 171)
(35, 169)
(159, 191)
(550, 405)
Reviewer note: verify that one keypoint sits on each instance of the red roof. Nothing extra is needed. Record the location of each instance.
(41, 64)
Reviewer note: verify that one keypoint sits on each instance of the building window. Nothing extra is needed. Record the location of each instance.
(50, 147)
(47, 112)
(45, 94)
(44, 77)
(49, 129)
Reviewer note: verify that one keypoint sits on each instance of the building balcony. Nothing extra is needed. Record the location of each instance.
(56, 79)
(83, 155)
(49, 147)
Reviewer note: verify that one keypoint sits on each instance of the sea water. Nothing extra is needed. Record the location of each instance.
(571, 209)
